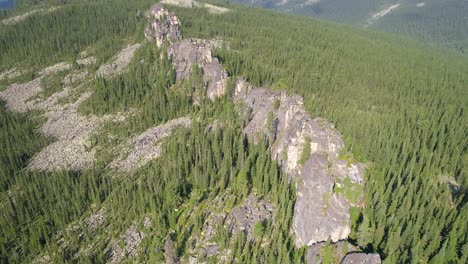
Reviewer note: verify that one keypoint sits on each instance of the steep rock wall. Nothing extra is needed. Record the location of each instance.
(319, 213)
(185, 53)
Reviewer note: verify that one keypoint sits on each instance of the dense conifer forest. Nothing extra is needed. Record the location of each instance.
(400, 105)
(441, 23)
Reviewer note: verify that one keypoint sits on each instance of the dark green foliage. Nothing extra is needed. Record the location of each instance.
(18, 142)
(400, 106)
(438, 22)
(44, 39)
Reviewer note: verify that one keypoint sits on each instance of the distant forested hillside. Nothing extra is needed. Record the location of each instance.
(439, 22)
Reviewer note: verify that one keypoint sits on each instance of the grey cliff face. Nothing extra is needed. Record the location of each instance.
(185, 53)
(162, 25)
(319, 213)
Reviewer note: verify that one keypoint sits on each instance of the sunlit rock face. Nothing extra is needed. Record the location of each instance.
(186, 53)
(162, 25)
(319, 213)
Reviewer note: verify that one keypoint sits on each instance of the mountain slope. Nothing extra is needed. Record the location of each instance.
(399, 105)
(439, 22)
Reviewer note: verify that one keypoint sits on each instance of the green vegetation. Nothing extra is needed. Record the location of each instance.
(401, 108)
(351, 191)
(305, 152)
(438, 22)
(276, 104)
(44, 213)
(328, 254)
(42, 40)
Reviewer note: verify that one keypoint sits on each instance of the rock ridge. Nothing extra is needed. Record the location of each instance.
(308, 149)
(164, 27)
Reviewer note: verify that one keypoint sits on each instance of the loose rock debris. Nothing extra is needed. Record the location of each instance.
(121, 62)
(144, 149)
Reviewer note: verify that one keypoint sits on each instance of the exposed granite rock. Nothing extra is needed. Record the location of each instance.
(86, 61)
(314, 253)
(120, 63)
(145, 145)
(184, 54)
(74, 78)
(188, 52)
(42, 260)
(319, 213)
(203, 245)
(71, 150)
(361, 258)
(162, 25)
(244, 217)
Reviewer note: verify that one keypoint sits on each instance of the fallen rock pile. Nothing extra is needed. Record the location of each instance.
(120, 63)
(146, 146)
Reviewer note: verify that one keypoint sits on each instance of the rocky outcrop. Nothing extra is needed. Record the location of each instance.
(162, 25)
(361, 258)
(204, 244)
(220, 216)
(146, 147)
(319, 213)
(64, 66)
(307, 149)
(184, 54)
(253, 210)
